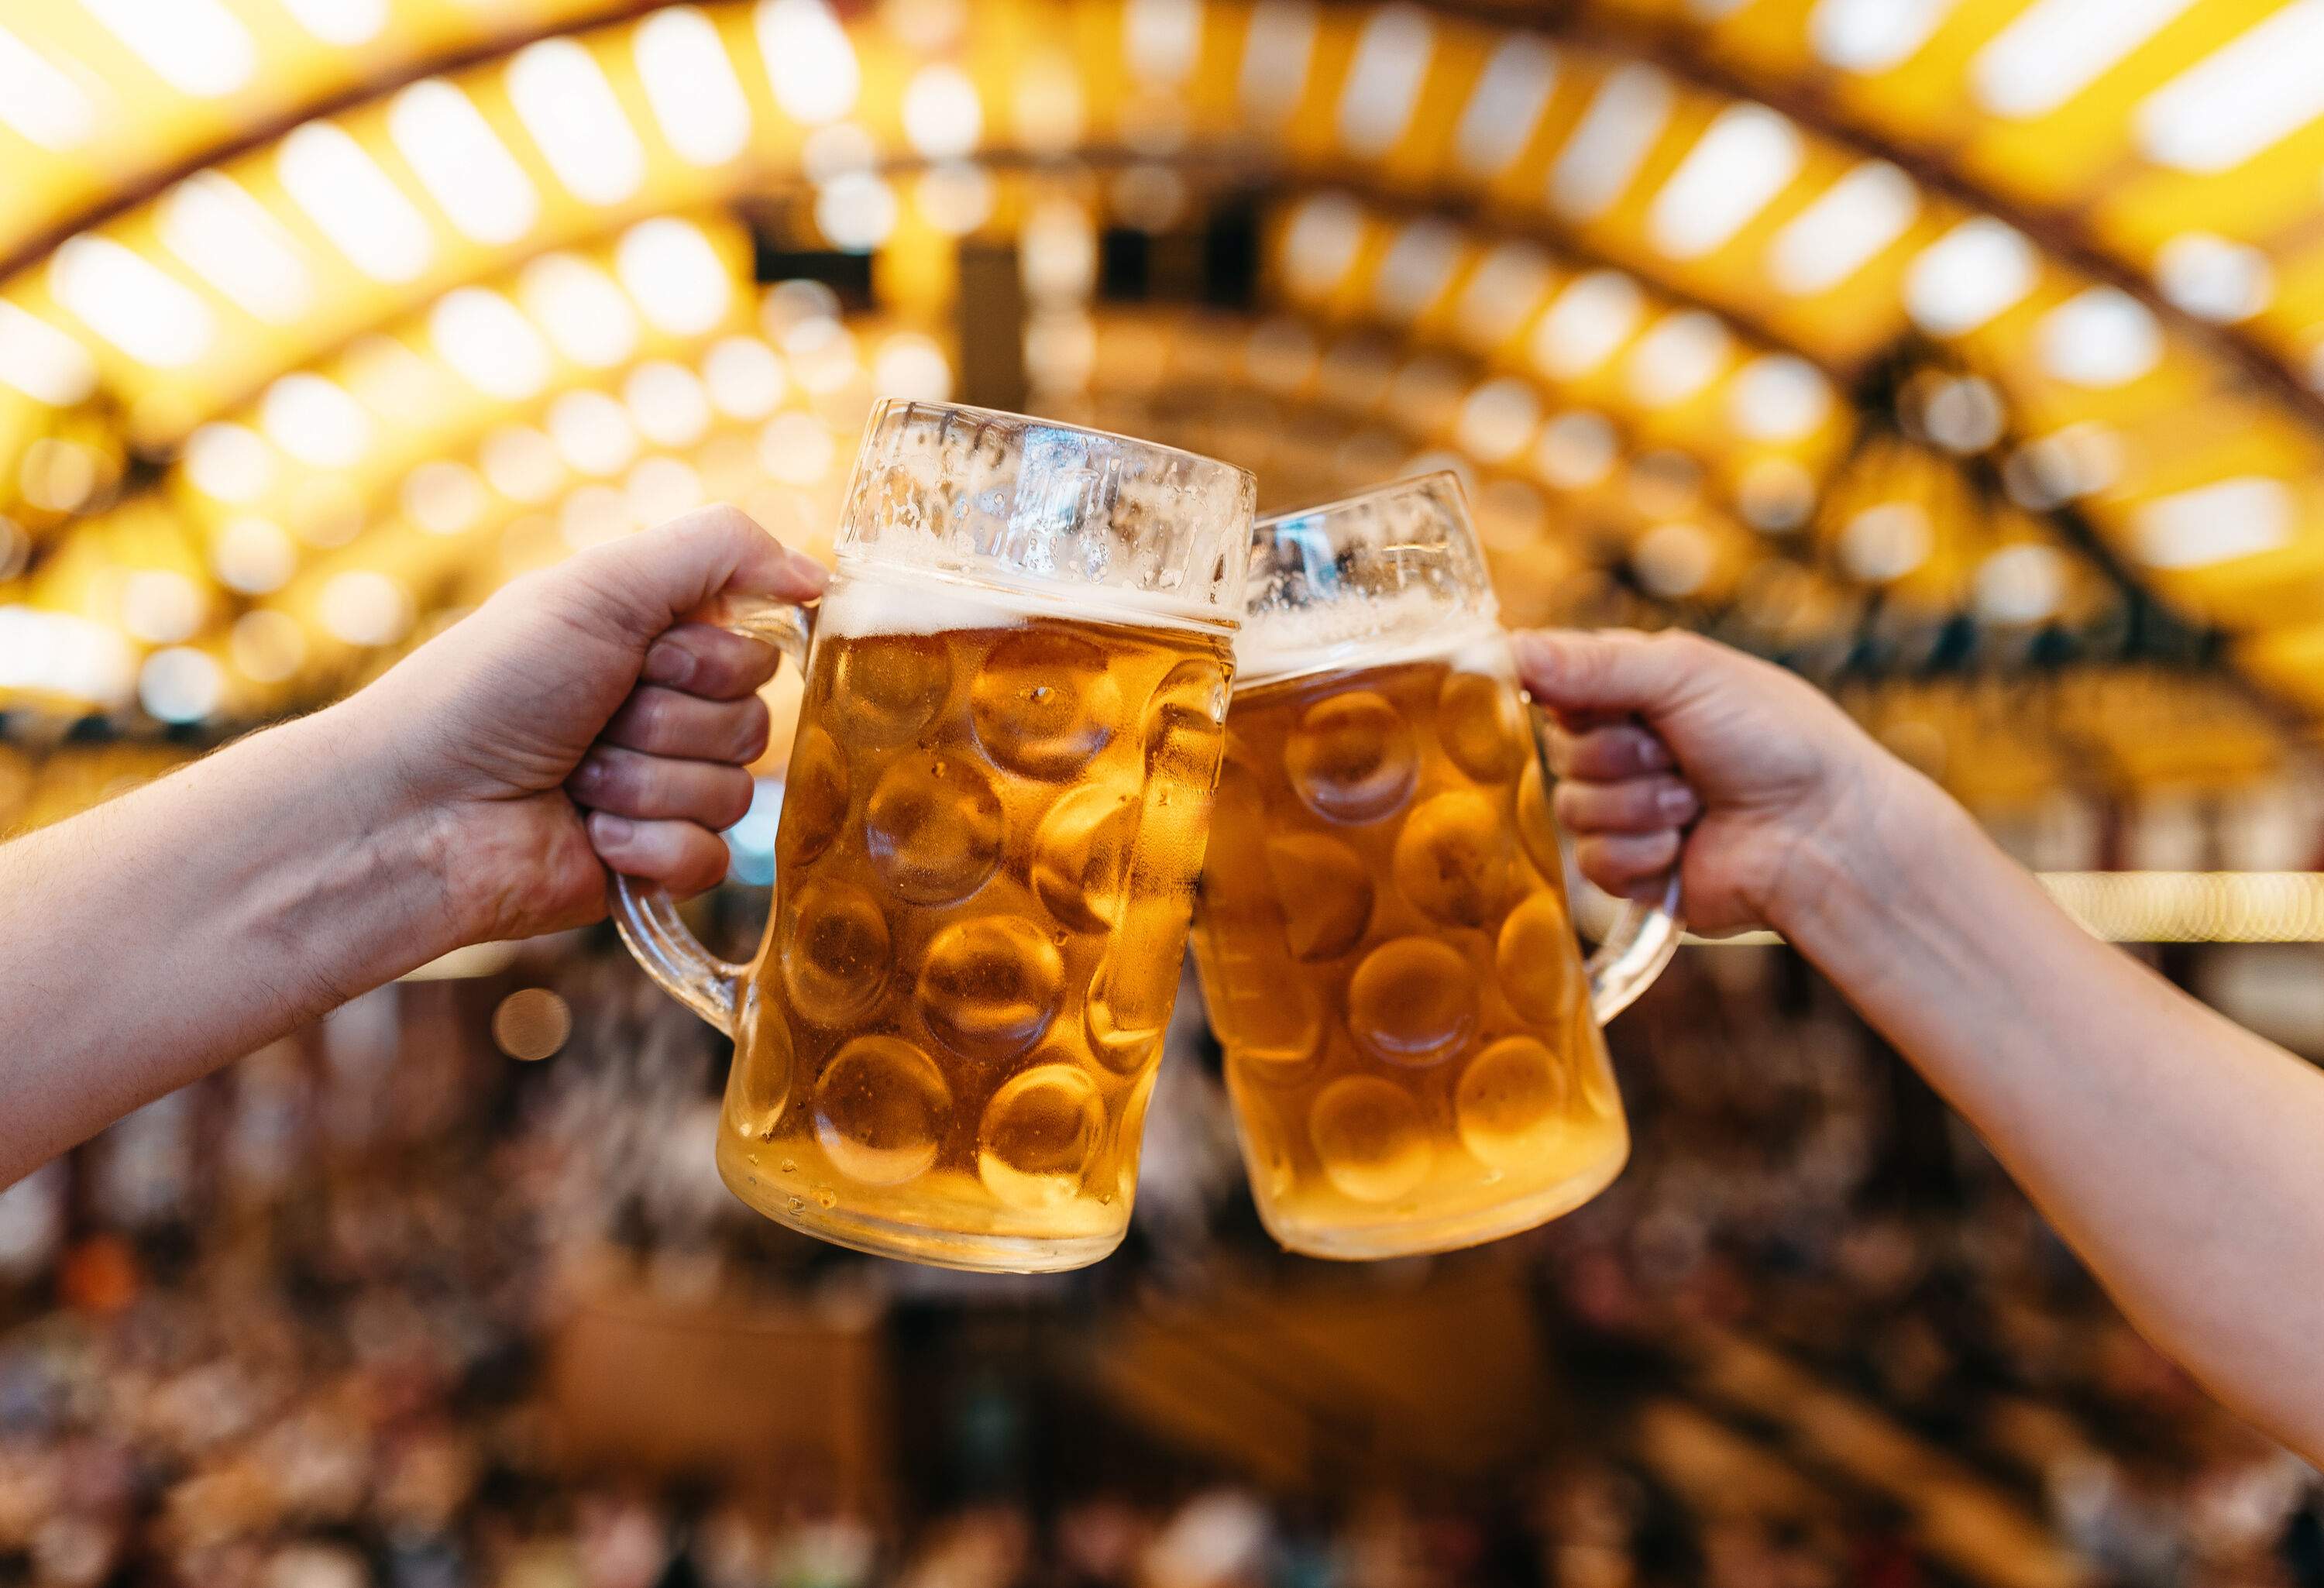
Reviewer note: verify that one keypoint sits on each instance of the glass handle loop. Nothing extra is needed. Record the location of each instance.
(644, 913)
(1637, 950)
(1643, 937)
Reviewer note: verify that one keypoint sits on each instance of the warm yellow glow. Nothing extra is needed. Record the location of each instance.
(1731, 267)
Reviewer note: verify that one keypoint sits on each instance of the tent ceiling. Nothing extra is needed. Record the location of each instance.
(1699, 227)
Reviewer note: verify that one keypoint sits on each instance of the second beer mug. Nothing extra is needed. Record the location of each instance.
(1412, 1038)
(994, 815)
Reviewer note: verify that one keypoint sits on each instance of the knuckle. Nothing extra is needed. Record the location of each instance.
(694, 642)
(613, 776)
(719, 666)
(1599, 754)
(1587, 662)
(527, 589)
(1680, 645)
(650, 714)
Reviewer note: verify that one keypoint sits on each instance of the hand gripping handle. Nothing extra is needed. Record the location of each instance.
(1643, 935)
(645, 914)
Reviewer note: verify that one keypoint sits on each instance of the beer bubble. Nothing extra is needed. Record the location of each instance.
(880, 1109)
(989, 985)
(1535, 957)
(815, 798)
(1452, 859)
(1413, 1001)
(1509, 1104)
(1038, 1135)
(1044, 703)
(1080, 855)
(934, 826)
(889, 687)
(1537, 831)
(1370, 1138)
(1325, 891)
(1482, 727)
(1352, 759)
(834, 951)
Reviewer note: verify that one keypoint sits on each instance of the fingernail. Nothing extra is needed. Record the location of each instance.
(590, 772)
(1652, 755)
(669, 664)
(612, 829)
(1676, 802)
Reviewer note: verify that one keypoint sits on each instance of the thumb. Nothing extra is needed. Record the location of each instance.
(1613, 671)
(648, 581)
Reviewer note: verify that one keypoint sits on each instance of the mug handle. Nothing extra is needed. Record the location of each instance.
(1637, 950)
(1644, 937)
(645, 914)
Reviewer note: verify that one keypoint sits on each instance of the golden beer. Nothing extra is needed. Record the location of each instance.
(987, 857)
(1411, 1036)
(993, 818)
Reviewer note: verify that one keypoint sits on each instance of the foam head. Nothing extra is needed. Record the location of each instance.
(859, 606)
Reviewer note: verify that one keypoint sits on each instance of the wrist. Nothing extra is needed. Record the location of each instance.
(398, 845)
(1875, 845)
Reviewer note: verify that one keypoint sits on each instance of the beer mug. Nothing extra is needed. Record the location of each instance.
(992, 822)
(1412, 1038)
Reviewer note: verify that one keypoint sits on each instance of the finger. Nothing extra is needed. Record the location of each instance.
(714, 663)
(669, 722)
(683, 857)
(1607, 754)
(1635, 805)
(1615, 670)
(648, 581)
(653, 788)
(1630, 864)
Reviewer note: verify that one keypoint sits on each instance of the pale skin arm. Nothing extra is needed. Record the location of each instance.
(2181, 1156)
(477, 791)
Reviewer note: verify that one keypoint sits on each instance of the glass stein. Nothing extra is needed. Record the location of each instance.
(992, 822)
(1412, 1036)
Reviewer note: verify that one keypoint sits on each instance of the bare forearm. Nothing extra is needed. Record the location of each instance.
(2175, 1151)
(156, 936)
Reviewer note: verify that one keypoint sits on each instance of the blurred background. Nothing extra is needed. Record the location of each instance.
(1965, 355)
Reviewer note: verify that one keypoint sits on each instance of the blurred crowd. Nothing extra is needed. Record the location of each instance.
(1811, 1238)
(291, 1329)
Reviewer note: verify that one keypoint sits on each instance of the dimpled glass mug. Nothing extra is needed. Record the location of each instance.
(992, 822)
(1412, 1038)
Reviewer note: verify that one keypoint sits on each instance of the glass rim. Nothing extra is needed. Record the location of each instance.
(882, 406)
(1400, 485)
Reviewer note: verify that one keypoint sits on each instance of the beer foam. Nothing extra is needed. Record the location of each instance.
(1415, 626)
(854, 607)
(905, 599)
